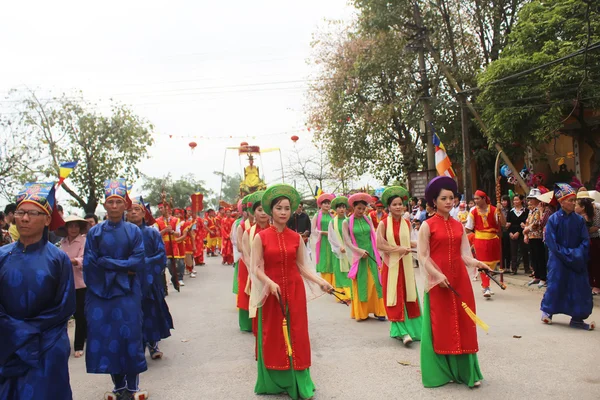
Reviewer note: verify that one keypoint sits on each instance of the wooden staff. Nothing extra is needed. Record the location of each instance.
(491, 276)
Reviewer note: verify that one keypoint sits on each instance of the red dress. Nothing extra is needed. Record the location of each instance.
(200, 235)
(279, 252)
(243, 300)
(396, 313)
(227, 246)
(453, 331)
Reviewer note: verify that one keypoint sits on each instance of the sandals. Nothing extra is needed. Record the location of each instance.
(78, 353)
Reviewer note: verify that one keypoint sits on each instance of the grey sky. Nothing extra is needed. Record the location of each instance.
(210, 69)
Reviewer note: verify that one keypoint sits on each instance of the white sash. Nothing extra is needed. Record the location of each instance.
(394, 265)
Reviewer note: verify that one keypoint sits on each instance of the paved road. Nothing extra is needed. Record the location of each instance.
(209, 358)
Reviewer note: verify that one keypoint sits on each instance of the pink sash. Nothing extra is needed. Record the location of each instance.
(318, 248)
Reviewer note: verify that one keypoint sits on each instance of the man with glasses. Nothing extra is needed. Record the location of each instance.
(113, 265)
(37, 298)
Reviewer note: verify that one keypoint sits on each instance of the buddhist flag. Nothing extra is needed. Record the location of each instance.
(65, 171)
(318, 191)
(442, 161)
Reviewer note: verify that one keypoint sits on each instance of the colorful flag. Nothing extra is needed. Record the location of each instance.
(65, 171)
(318, 191)
(442, 161)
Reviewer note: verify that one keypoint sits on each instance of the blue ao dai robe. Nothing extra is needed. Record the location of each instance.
(157, 318)
(569, 290)
(37, 298)
(113, 304)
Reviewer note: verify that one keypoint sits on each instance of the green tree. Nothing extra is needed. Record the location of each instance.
(17, 152)
(177, 189)
(532, 109)
(70, 129)
(364, 106)
(230, 189)
(365, 102)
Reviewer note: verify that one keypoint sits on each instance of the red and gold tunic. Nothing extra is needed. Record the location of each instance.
(186, 227)
(486, 242)
(218, 222)
(279, 253)
(453, 331)
(211, 226)
(375, 220)
(200, 235)
(396, 313)
(170, 248)
(227, 248)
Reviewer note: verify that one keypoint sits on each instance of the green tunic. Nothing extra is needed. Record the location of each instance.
(325, 265)
(341, 278)
(362, 234)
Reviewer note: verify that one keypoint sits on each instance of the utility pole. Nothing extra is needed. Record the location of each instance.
(466, 144)
(425, 98)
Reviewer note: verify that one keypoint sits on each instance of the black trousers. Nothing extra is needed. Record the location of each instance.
(538, 258)
(517, 245)
(80, 321)
(505, 250)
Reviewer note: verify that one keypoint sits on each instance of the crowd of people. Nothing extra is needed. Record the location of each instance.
(110, 276)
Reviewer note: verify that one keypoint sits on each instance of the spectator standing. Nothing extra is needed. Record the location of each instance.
(422, 213)
(517, 217)
(300, 222)
(505, 265)
(590, 211)
(5, 237)
(73, 243)
(91, 218)
(9, 217)
(533, 236)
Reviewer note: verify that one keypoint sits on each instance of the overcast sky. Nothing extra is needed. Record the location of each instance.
(209, 69)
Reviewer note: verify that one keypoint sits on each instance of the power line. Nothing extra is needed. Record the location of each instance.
(581, 51)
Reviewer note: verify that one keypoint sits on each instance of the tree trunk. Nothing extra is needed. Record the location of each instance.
(90, 206)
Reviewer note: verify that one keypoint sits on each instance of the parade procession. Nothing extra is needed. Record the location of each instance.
(326, 200)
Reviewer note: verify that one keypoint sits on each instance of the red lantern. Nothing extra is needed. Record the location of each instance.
(295, 138)
(243, 144)
(192, 145)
